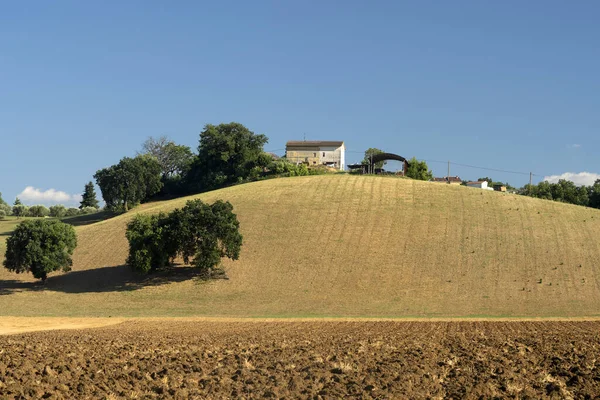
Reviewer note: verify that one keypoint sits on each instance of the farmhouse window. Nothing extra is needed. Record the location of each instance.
(323, 154)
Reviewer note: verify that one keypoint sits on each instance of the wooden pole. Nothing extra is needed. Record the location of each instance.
(530, 178)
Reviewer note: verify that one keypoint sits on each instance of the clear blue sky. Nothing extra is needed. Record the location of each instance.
(509, 85)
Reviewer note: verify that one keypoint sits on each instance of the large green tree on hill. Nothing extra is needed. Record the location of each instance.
(227, 153)
(418, 170)
(200, 233)
(40, 247)
(88, 198)
(2, 202)
(130, 182)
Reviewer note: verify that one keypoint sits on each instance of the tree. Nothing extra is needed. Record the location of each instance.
(19, 210)
(543, 190)
(2, 202)
(595, 195)
(173, 159)
(418, 170)
(201, 234)
(6, 209)
(490, 181)
(2, 214)
(147, 248)
(40, 247)
(371, 152)
(227, 153)
(88, 198)
(58, 211)
(582, 197)
(130, 182)
(71, 212)
(564, 191)
(38, 211)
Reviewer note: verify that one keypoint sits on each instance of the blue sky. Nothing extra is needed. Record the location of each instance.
(508, 85)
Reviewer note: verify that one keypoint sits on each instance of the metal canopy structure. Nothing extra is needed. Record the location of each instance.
(370, 168)
(387, 156)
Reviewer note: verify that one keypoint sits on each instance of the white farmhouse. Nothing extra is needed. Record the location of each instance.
(317, 152)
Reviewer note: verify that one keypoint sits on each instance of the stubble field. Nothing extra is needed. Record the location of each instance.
(288, 359)
(346, 246)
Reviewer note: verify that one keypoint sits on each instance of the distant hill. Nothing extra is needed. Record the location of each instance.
(349, 246)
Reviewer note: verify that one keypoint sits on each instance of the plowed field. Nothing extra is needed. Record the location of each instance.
(305, 360)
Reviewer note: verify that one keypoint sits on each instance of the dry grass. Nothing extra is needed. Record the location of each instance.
(350, 246)
(13, 325)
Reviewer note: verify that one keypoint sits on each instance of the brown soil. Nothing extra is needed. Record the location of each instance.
(327, 359)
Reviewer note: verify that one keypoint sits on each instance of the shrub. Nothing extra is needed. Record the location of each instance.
(72, 211)
(38, 211)
(88, 210)
(40, 247)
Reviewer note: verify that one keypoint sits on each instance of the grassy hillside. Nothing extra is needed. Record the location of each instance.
(6, 226)
(349, 246)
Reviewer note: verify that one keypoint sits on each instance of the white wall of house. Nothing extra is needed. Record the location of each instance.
(330, 154)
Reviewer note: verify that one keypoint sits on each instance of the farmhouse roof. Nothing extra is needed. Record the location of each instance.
(313, 143)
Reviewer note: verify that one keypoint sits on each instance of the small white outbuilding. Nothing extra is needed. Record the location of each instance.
(479, 185)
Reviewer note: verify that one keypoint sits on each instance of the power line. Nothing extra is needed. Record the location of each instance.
(477, 167)
(493, 169)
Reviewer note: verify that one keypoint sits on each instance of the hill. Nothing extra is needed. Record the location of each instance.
(348, 246)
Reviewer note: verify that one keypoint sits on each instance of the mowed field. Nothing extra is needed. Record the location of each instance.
(251, 359)
(347, 246)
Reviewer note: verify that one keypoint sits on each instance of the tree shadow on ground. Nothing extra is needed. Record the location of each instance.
(88, 219)
(101, 280)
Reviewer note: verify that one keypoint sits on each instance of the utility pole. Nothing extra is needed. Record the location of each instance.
(448, 178)
(530, 179)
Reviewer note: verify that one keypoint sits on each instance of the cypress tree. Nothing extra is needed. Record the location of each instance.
(88, 199)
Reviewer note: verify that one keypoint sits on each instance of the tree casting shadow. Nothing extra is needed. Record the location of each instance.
(101, 280)
(88, 219)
